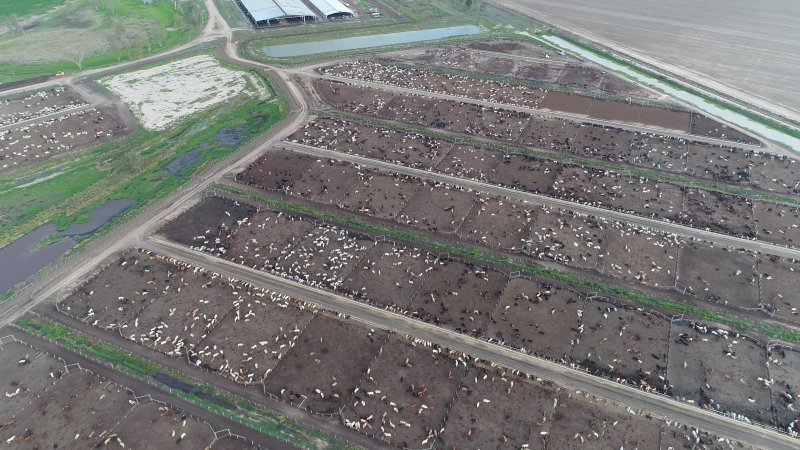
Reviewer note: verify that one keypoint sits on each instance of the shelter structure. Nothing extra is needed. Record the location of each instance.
(264, 12)
(331, 8)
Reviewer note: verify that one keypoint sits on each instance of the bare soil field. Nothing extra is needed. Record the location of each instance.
(276, 170)
(469, 161)
(389, 275)
(498, 223)
(583, 421)
(409, 149)
(532, 63)
(713, 369)
(705, 126)
(496, 409)
(540, 318)
(32, 105)
(777, 286)
(405, 395)
(25, 373)
(438, 208)
(777, 223)
(719, 275)
(326, 181)
(568, 103)
(566, 238)
(57, 134)
(640, 255)
(333, 356)
(78, 412)
(155, 302)
(152, 425)
(459, 296)
(718, 212)
(197, 225)
(785, 379)
(620, 192)
(250, 342)
(623, 343)
(381, 194)
(526, 173)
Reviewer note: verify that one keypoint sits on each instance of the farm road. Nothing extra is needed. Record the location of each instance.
(537, 199)
(659, 406)
(536, 112)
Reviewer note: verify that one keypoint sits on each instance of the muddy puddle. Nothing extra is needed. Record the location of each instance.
(27, 255)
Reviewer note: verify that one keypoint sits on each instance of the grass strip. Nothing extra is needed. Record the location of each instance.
(246, 412)
(522, 266)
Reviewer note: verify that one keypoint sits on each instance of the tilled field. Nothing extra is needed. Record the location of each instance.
(56, 406)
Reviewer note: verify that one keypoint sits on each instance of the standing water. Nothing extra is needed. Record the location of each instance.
(694, 100)
(375, 40)
(30, 253)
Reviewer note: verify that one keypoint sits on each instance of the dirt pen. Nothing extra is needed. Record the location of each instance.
(60, 405)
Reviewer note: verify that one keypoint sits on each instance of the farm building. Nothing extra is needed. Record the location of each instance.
(331, 8)
(263, 12)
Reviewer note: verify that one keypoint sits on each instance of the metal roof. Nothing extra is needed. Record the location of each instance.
(262, 10)
(331, 7)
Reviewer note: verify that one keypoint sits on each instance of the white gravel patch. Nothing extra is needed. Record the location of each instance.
(162, 95)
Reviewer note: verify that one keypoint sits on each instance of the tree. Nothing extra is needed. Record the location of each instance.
(110, 5)
(13, 23)
(78, 54)
(159, 34)
(118, 41)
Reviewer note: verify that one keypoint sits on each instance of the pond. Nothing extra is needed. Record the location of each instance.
(31, 253)
(375, 40)
(694, 100)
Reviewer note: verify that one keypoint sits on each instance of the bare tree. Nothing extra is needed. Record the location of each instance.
(110, 5)
(78, 55)
(118, 41)
(13, 23)
(159, 34)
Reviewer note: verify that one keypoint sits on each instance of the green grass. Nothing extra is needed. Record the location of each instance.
(23, 8)
(666, 304)
(177, 27)
(232, 14)
(245, 412)
(130, 167)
